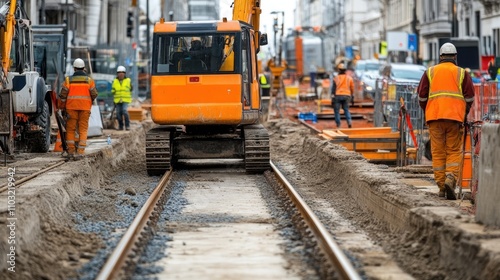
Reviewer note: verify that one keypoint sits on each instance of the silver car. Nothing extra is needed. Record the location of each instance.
(403, 72)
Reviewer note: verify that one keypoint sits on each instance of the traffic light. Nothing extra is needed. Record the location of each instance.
(130, 23)
(383, 48)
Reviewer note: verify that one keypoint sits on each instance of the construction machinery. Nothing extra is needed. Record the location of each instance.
(205, 93)
(304, 51)
(25, 101)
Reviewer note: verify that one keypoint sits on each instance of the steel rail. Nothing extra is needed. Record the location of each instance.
(114, 264)
(4, 187)
(325, 241)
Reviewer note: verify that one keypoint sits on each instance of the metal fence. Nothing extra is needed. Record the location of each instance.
(387, 107)
(486, 105)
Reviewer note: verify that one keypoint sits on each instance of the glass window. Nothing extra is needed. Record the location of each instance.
(194, 54)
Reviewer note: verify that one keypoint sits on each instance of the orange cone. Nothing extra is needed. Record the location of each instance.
(58, 146)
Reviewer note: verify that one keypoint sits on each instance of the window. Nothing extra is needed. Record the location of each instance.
(467, 27)
(195, 53)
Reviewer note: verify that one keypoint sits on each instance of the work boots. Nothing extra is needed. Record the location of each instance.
(449, 186)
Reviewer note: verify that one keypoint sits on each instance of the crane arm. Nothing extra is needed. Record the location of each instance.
(6, 37)
(248, 11)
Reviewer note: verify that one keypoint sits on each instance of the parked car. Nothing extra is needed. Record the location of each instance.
(403, 72)
(367, 83)
(366, 72)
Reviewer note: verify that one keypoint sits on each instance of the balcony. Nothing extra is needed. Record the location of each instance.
(490, 6)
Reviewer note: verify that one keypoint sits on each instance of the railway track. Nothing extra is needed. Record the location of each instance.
(4, 187)
(225, 229)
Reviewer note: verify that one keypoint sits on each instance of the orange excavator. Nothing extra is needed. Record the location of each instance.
(205, 95)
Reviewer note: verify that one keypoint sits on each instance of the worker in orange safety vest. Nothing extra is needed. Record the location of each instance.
(76, 97)
(446, 93)
(342, 91)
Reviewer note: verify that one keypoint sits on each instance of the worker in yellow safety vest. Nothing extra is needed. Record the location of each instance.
(265, 82)
(122, 96)
(76, 97)
(446, 93)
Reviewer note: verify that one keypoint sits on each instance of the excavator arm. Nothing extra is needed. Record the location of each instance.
(7, 23)
(247, 11)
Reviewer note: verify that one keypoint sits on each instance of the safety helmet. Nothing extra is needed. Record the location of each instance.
(447, 48)
(341, 66)
(121, 69)
(78, 63)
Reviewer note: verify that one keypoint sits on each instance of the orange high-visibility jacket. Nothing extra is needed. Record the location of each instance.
(446, 100)
(344, 85)
(78, 92)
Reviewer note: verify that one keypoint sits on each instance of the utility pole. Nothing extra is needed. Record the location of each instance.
(135, 46)
(415, 30)
(147, 29)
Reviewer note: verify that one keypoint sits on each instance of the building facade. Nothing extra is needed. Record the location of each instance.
(200, 10)
(363, 25)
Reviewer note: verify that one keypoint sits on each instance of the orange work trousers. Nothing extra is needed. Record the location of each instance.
(446, 148)
(80, 119)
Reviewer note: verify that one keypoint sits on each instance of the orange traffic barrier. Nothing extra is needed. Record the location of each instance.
(58, 146)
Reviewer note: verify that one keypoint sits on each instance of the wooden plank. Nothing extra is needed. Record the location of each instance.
(345, 133)
(386, 156)
(367, 146)
(367, 130)
(335, 134)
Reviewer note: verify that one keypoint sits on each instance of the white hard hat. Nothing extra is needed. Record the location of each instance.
(78, 63)
(447, 48)
(121, 69)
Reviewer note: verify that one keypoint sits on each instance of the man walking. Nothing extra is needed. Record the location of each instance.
(76, 97)
(342, 91)
(446, 93)
(122, 96)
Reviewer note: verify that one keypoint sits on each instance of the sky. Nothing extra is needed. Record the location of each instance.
(266, 19)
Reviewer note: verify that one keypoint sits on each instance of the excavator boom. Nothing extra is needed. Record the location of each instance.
(8, 22)
(248, 11)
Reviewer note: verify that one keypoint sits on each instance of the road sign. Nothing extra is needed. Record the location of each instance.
(412, 42)
(397, 41)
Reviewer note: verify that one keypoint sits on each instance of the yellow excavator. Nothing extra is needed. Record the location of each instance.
(205, 94)
(25, 101)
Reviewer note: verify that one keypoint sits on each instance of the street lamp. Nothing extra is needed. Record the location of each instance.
(276, 29)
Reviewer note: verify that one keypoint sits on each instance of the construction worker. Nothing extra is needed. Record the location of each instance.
(265, 82)
(76, 97)
(446, 93)
(122, 96)
(492, 69)
(342, 91)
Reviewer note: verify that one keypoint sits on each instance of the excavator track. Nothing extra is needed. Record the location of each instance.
(158, 154)
(257, 152)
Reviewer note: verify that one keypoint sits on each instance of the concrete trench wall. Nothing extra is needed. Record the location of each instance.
(459, 242)
(488, 206)
(47, 197)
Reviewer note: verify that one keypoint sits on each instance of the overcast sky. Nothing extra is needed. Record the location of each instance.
(266, 19)
(268, 6)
